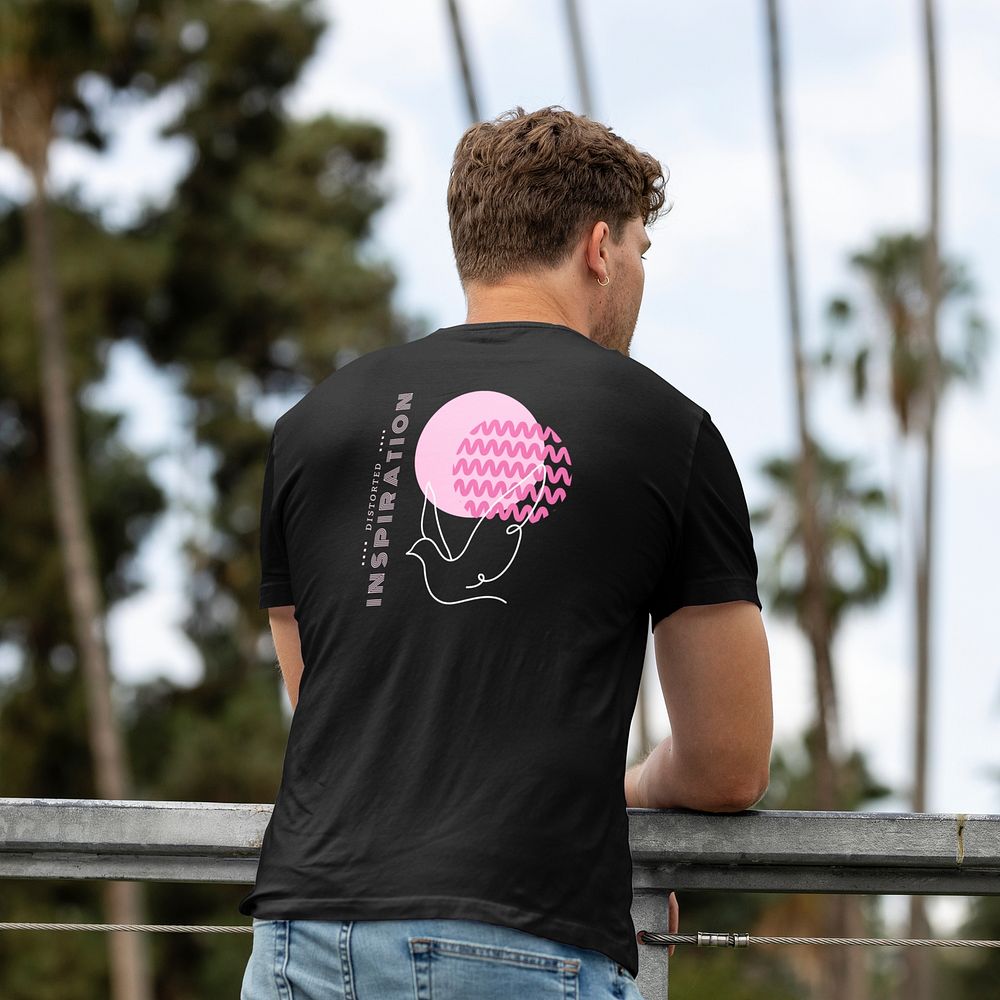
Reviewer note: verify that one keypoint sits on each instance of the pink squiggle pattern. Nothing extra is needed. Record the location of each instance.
(549, 453)
(560, 473)
(520, 429)
(493, 488)
(519, 514)
(511, 483)
(548, 495)
(516, 470)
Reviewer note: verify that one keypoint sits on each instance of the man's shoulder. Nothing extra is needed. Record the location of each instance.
(652, 388)
(656, 397)
(356, 370)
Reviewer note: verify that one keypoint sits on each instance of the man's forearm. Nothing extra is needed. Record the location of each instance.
(658, 784)
(288, 647)
(661, 782)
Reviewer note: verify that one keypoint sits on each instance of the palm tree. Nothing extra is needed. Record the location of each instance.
(920, 985)
(890, 327)
(44, 48)
(840, 512)
(856, 576)
(898, 328)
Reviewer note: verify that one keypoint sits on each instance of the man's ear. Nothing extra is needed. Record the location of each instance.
(596, 252)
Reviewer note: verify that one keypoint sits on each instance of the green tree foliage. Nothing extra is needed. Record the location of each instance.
(858, 575)
(854, 574)
(43, 730)
(266, 282)
(267, 278)
(246, 288)
(735, 976)
(890, 325)
(968, 974)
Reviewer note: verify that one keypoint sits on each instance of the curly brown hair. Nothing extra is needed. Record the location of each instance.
(524, 188)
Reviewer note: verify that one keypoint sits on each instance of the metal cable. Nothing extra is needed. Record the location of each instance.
(702, 940)
(176, 928)
(714, 940)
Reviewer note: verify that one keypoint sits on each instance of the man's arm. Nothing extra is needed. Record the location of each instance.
(715, 674)
(285, 632)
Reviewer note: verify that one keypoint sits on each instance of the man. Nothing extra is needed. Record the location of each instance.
(464, 540)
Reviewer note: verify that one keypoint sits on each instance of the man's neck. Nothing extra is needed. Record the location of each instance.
(503, 304)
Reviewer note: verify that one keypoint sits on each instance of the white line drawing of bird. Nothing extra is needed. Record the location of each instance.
(451, 571)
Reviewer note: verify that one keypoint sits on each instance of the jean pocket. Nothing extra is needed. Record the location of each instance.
(449, 969)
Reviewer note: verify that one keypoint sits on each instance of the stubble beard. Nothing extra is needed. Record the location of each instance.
(617, 325)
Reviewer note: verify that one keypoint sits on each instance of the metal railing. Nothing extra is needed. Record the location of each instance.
(754, 851)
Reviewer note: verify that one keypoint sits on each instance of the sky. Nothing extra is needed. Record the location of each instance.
(687, 83)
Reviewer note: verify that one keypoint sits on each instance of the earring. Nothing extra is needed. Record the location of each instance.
(604, 283)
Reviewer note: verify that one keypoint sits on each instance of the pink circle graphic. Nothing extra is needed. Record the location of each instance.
(483, 454)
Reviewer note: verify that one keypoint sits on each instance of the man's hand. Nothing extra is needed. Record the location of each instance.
(635, 786)
(632, 800)
(673, 919)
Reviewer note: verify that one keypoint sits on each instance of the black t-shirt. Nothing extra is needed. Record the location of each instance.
(476, 529)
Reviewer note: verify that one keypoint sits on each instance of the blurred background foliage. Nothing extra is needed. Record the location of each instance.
(247, 288)
(244, 287)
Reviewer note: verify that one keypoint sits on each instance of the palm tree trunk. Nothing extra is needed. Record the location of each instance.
(128, 954)
(842, 969)
(845, 976)
(932, 282)
(465, 69)
(814, 616)
(579, 60)
(828, 783)
(823, 761)
(919, 979)
(855, 985)
(918, 983)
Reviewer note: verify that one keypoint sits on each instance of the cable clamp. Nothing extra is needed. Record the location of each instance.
(710, 940)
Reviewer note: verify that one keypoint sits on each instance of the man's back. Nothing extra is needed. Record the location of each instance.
(474, 530)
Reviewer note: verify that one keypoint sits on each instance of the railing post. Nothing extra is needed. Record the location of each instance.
(650, 912)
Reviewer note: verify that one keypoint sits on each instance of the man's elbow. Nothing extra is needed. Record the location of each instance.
(739, 795)
(752, 794)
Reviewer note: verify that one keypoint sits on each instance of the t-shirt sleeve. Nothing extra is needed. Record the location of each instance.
(275, 578)
(713, 560)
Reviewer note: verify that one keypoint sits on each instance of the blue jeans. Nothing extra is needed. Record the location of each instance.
(423, 959)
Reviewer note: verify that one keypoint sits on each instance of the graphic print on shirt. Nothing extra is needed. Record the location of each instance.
(484, 457)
